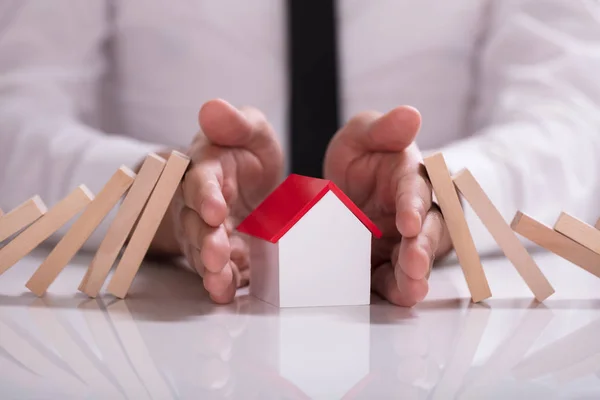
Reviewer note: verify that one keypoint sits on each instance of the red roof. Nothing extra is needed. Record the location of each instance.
(289, 202)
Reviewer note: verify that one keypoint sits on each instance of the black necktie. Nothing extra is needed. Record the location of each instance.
(314, 114)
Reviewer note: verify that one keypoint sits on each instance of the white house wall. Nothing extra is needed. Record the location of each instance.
(324, 260)
(264, 270)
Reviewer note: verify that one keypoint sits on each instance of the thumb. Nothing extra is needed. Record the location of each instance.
(226, 126)
(223, 124)
(394, 131)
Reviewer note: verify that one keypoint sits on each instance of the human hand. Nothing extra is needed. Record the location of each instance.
(375, 161)
(236, 162)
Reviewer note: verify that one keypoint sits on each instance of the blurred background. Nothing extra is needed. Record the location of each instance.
(507, 89)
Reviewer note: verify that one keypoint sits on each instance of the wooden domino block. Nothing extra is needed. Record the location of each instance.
(22, 216)
(457, 227)
(597, 225)
(557, 243)
(41, 230)
(579, 231)
(81, 230)
(123, 223)
(148, 224)
(506, 238)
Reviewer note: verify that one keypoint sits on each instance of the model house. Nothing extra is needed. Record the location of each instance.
(310, 246)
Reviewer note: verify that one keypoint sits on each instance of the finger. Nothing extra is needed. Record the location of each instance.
(240, 276)
(220, 285)
(244, 278)
(240, 252)
(213, 243)
(202, 191)
(192, 258)
(406, 293)
(197, 260)
(416, 255)
(413, 193)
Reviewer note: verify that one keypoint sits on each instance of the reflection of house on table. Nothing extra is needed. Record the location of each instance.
(311, 246)
(308, 353)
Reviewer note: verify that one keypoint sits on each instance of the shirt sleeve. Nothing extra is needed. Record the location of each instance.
(51, 63)
(535, 133)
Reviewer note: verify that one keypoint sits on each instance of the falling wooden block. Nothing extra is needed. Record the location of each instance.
(122, 224)
(557, 243)
(81, 230)
(457, 227)
(579, 231)
(41, 230)
(22, 216)
(148, 224)
(506, 238)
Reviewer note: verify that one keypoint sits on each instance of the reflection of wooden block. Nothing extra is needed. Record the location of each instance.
(126, 328)
(465, 349)
(557, 243)
(114, 357)
(565, 352)
(20, 217)
(457, 227)
(41, 230)
(81, 230)
(121, 226)
(504, 236)
(32, 355)
(579, 231)
(148, 224)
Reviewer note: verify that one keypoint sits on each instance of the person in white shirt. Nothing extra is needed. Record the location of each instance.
(504, 88)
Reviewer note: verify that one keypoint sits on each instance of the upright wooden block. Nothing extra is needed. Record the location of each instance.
(148, 224)
(121, 226)
(22, 216)
(557, 243)
(41, 230)
(597, 225)
(579, 231)
(506, 238)
(81, 230)
(457, 227)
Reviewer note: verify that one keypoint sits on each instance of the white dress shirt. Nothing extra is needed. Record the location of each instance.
(509, 89)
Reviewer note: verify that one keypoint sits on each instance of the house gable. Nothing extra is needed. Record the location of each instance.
(324, 258)
(289, 202)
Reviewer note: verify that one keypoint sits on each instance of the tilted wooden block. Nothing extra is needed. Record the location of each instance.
(506, 238)
(44, 227)
(579, 231)
(557, 243)
(81, 230)
(148, 224)
(460, 234)
(22, 216)
(121, 226)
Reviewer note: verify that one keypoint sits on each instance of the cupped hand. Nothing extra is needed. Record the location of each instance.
(235, 162)
(376, 162)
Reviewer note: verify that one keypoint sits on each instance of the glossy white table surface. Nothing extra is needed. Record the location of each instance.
(167, 341)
